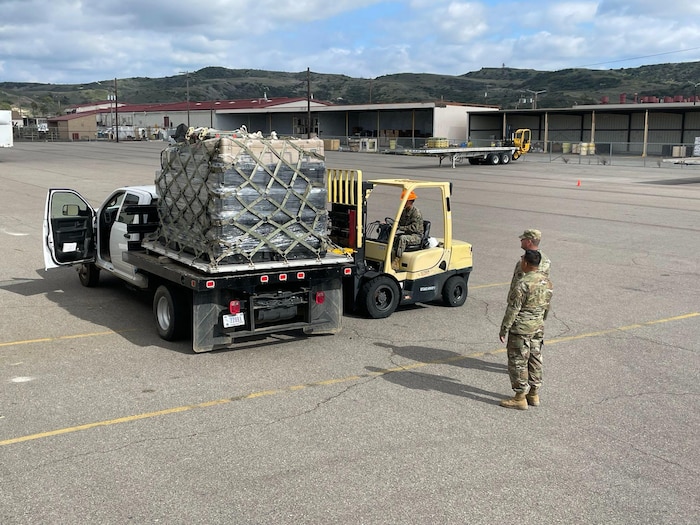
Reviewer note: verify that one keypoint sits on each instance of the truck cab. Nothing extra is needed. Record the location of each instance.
(75, 233)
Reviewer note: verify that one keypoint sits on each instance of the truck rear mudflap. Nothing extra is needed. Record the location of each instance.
(221, 316)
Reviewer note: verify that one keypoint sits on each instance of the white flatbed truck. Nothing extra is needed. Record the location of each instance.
(216, 304)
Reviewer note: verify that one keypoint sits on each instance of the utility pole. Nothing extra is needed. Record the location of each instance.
(534, 100)
(308, 103)
(187, 76)
(116, 108)
(695, 89)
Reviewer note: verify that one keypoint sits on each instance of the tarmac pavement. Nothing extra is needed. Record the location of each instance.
(391, 421)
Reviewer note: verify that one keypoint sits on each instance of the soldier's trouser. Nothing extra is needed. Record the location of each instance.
(405, 240)
(525, 361)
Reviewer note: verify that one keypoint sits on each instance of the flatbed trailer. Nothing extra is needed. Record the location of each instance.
(512, 148)
(493, 155)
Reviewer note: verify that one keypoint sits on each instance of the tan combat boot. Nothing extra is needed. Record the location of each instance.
(518, 402)
(533, 398)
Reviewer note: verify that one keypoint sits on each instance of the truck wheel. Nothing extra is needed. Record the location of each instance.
(474, 161)
(505, 158)
(89, 275)
(170, 312)
(380, 297)
(493, 159)
(455, 291)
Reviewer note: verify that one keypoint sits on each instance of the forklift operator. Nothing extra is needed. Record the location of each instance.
(411, 227)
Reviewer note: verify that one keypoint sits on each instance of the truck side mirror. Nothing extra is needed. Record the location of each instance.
(71, 210)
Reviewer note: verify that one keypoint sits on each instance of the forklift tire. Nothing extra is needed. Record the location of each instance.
(170, 313)
(455, 291)
(494, 159)
(89, 275)
(380, 297)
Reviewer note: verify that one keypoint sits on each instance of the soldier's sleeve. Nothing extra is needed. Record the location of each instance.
(516, 275)
(549, 298)
(544, 265)
(515, 303)
(415, 222)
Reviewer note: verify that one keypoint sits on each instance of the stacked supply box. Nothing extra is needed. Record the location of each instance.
(243, 199)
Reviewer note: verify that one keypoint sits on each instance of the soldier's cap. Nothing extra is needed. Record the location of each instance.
(535, 235)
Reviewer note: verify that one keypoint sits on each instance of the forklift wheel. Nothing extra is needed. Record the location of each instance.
(380, 297)
(454, 293)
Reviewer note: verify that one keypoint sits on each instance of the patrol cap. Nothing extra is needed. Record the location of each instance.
(534, 235)
(411, 196)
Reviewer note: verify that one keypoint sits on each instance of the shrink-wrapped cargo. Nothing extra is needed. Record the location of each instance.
(230, 200)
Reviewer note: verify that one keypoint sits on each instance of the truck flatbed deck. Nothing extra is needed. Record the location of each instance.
(490, 154)
(208, 268)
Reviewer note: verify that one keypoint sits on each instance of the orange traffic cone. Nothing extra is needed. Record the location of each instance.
(578, 183)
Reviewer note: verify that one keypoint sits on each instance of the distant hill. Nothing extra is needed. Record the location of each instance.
(505, 87)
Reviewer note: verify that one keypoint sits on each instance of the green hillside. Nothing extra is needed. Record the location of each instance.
(504, 87)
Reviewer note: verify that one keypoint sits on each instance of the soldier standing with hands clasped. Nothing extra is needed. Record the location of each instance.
(528, 305)
(530, 240)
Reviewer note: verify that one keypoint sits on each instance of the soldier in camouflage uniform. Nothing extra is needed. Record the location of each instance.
(411, 224)
(530, 240)
(528, 305)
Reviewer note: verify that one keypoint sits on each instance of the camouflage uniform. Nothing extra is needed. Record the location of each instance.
(411, 224)
(528, 305)
(518, 271)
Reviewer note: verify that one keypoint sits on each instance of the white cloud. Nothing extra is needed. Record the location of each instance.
(76, 41)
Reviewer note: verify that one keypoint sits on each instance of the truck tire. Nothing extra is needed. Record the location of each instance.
(89, 275)
(474, 161)
(170, 311)
(380, 297)
(455, 291)
(505, 158)
(494, 159)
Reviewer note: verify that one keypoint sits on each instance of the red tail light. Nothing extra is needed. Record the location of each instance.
(320, 297)
(234, 307)
(210, 284)
(283, 277)
(301, 275)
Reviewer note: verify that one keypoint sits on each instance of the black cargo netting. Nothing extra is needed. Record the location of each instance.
(231, 200)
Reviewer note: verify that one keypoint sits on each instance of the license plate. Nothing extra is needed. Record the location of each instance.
(234, 320)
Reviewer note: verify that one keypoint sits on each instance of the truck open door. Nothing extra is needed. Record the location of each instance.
(68, 230)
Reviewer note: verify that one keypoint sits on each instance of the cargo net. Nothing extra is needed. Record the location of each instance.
(232, 199)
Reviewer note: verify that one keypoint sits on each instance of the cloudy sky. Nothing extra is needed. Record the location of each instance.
(73, 41)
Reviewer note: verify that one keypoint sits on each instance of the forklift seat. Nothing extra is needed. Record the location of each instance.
(425, 241)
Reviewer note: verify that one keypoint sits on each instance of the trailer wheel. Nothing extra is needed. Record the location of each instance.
(474, 161)
(494, 159)
(89, 275)
(170, 312)
(380, 297)
(455, 291)
(505, 158)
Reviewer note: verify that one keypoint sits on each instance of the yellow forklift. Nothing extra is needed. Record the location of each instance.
(361, 224)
